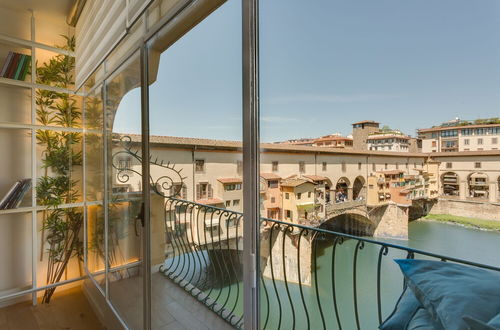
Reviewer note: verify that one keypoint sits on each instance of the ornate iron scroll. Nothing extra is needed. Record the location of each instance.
(167, 185)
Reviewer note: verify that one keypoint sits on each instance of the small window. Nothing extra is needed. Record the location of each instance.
(228, 203)
(273, 199)
(386, 166)
(124, 164)
(275, 166)
(302, 167)
(479, 141)
(397, 166)
(494, 140)
(324, 166)
(359, 166)
(272, 184)
(449, 165)
(287, 196)
(344, 167)
(288, 214)
(434, 144)
(309, 194)
(200, 165)
(236, 202)
(477, 165)
(299, 195)
(407, 165)
(466, 142)
(374, 167)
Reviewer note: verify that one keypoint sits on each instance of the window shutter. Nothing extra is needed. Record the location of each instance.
(210, 191)
(198, 192)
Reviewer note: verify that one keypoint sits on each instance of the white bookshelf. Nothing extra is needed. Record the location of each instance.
(28, 124)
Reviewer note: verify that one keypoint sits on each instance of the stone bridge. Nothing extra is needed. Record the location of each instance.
(388, 220)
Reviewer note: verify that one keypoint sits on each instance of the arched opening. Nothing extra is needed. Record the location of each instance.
(359, 189)
(498, 188)
(451, 184)
(351, 224)
(342, 190)
(478, 185)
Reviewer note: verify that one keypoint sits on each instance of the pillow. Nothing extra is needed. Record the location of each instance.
(448, 291)
(409, 314)
(493, 324)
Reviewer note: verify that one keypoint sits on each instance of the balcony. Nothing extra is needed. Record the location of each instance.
(302, 285)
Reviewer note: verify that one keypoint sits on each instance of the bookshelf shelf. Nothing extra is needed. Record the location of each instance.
(41, 208)
(33, 44)
(17, 210)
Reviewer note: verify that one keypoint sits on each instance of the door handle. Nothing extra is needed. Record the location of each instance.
(140, 217)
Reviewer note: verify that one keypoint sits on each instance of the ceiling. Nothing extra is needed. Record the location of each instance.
(41, 7)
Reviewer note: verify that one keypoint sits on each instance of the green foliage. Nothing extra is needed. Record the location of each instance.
(469, 222)
(60, 155)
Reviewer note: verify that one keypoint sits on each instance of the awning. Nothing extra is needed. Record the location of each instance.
(307, 205)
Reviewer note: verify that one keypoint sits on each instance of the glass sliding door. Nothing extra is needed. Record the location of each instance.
(196, 171)
(123, 201)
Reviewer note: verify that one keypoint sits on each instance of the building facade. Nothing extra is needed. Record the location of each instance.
(460, 136)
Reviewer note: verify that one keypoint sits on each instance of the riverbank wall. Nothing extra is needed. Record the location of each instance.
(465, 208)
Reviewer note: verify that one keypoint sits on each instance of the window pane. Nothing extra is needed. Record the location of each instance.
(195, 117)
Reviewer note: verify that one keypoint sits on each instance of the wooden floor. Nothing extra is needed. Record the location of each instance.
(68, 310)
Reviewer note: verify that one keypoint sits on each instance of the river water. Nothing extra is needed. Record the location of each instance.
(304, 311)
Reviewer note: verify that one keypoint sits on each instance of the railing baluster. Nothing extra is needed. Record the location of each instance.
(238, 220)
(272, 270)
(300, 280)
(383, 251)
(337, 240)
(359, 246)
(287, 228)
(316, 284)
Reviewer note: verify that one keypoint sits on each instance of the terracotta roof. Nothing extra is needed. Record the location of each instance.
(230, 180)
(382, 136)
(316, 177)
(203, 144)
(333, 138)
(365, 122)
(391, 172)
(270, 176)
(210, 201)
(293, 182)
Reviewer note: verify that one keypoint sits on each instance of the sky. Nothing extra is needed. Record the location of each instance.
(325, 64)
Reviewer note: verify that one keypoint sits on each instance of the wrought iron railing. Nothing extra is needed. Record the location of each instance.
(310, 278)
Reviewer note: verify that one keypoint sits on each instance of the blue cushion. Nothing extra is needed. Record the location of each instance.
(408, 314)
(450, 291)
(493, 324)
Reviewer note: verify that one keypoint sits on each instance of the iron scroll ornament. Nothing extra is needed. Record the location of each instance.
(166, 185)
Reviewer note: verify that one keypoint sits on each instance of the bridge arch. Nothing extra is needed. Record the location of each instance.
(350, 223)
(478, 185)
(342, 187)
(359, 188)
(450, 183)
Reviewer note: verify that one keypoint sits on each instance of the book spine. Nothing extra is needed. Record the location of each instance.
(20, 64)
(6, 64)
(24, 189)
(13, 65)
(8, 195)
(26, 67)
(12, 199)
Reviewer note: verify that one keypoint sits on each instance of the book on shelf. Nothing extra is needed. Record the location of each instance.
(16, 66)
(15, 195)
